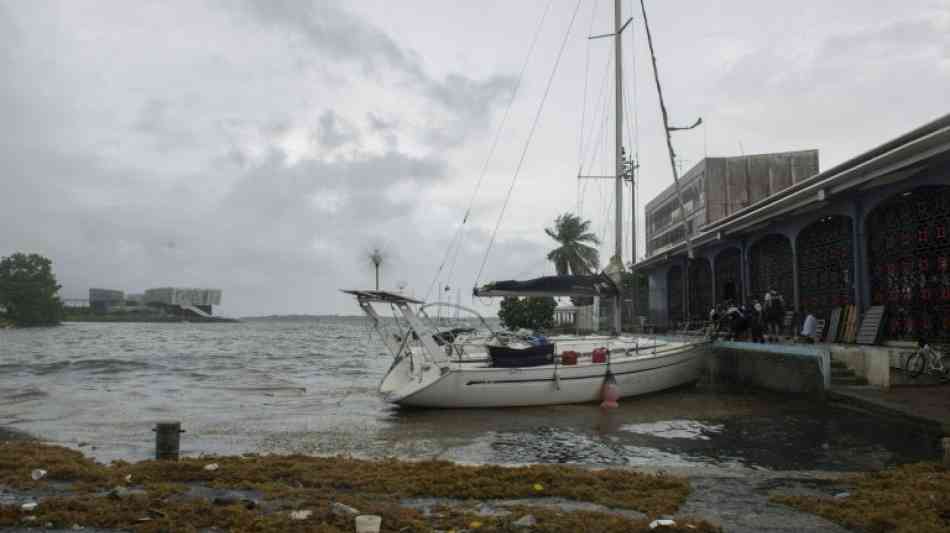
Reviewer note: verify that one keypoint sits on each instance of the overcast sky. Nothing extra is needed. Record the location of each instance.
(264, 147)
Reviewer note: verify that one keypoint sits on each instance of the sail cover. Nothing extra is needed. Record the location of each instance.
(598, 285)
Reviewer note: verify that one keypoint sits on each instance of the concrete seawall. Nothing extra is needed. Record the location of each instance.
(795, 369)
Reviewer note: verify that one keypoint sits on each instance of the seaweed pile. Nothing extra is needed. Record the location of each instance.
(911, 498)
(304, 493)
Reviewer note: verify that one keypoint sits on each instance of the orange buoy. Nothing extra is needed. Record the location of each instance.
(609, 393)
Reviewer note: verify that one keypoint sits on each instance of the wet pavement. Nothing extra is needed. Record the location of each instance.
(741, 504)
(927, 405)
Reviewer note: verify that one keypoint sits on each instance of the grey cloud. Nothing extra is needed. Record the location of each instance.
(377, 123)
(334, 30)
(168, 132)
(470, 103)
(900, 34)
(387, 128)
(849, 81)
(334, 130)
(466, 104)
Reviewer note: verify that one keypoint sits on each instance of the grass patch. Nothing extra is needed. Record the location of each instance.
(314, 483)
(906, 499)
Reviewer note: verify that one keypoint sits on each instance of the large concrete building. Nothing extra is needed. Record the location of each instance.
(185, 298)
(718, 187)
(873, 230)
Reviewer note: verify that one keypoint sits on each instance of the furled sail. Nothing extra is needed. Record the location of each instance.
(597, 285)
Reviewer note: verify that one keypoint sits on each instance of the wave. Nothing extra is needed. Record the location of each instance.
(96, 366)
(22, 395)
(263, 390)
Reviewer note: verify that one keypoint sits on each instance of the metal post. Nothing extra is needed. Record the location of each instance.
(686, 310)
(635, 297)
(167, 440)
(796, 292)
(618, 138)
(857, 249)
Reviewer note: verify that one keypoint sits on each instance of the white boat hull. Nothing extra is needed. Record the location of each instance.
(469, 384)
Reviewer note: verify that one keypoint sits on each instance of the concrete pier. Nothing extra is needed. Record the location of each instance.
(799, 369)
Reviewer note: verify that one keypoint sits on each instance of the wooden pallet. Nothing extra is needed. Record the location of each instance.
(870, 332)
(834, 325)
(852, 331)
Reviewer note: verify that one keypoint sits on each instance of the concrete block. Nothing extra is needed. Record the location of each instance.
(791, 369)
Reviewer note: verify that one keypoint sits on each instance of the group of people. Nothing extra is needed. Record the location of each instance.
(760, 322)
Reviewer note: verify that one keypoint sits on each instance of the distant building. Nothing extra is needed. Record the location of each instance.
(184, 298)
(135, 300)
(718, 187)
(104, 300)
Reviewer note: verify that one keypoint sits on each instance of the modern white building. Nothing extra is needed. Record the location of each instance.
(202, 299)
(104, 300)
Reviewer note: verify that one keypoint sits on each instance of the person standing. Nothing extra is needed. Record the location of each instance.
(809, 328)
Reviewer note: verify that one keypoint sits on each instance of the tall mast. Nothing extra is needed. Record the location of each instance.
(669, 141)
(618, 133)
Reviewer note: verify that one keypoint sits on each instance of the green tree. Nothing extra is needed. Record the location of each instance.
(534, 313)
(575, 255)
(28, 290)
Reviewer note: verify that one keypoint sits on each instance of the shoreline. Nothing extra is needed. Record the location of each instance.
(267, 492)
(8, 434)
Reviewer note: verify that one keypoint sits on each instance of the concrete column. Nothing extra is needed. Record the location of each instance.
(745, 272)
(686, 310)
(796, 290)
(861, 295)
(712, 268)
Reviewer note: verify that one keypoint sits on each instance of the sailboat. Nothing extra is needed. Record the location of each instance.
(446, 369)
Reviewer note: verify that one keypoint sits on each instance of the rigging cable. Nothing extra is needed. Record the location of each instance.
(456, 242)
(600, 132)
(594, 134)
(580, 134)
(524, 152)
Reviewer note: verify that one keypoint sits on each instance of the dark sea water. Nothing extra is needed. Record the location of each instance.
(309, 386)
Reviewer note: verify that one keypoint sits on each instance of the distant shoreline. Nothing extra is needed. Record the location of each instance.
(296, 317)
(147, 319)
(8, 434)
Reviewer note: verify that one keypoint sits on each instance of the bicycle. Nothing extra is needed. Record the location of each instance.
(928, 359)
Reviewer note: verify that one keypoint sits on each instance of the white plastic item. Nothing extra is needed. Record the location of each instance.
(301, 515)
(368, 523)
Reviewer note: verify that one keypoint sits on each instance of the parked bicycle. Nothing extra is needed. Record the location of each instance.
(928, 359)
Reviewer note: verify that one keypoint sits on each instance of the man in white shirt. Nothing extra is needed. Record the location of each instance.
(809, 328)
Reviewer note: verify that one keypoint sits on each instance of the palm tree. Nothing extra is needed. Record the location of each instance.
(575, 255)
(377, 257)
